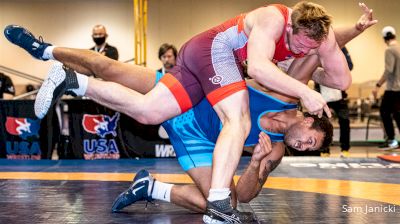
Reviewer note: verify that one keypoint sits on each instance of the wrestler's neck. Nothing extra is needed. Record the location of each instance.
(279, 122)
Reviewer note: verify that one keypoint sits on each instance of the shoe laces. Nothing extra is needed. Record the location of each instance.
(25, 39)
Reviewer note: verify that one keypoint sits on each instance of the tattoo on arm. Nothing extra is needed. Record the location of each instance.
(269, 167)
(272, 164)
(263, 177)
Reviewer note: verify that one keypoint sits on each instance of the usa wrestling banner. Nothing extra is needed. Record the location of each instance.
(22, 135)
(97, 132)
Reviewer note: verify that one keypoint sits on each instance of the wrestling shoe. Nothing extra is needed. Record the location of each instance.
(26, 40)
(140, 190)
(57, 83)
(221, 211)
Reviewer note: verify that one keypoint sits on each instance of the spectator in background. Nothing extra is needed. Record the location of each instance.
(99, 36)
(6, 85)
(337, 100)
(29, 88)
(167, 55)
(390, 105)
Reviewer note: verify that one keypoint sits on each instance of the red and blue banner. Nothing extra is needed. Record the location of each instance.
(22, 135)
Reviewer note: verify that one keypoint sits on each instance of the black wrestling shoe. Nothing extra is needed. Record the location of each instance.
(221, 211)
(140, 190)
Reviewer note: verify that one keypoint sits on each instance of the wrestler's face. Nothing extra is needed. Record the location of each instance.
(301, 44)
(302, 137)
(168, 59)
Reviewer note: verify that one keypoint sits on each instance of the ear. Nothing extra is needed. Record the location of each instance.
(289, 27)
(308, 121)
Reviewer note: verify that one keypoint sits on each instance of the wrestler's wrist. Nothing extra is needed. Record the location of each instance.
(303, 92)
(359, 27)
(254, 164)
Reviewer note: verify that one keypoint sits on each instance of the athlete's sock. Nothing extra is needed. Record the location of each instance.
(83, 84)
(162, 191)
(218, 194)
(48, 53)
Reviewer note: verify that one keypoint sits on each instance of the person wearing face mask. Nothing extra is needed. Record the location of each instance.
(99, 36)
(210, 66)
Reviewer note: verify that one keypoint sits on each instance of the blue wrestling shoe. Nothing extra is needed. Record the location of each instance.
(58, 82)
(26, 40)
(140, 190)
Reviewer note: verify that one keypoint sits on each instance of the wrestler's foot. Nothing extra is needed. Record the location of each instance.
(140, 190)
(26, 40)
(221, 211)
(59, 80)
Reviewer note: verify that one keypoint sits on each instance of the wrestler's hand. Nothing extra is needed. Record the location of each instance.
(315, 104)
(366, 19)
(262, 149)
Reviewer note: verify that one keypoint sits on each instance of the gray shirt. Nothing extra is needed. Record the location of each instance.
(392, 68)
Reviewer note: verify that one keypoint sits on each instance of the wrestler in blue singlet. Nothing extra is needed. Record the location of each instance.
(193, 134)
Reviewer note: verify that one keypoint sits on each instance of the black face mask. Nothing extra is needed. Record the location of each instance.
(99, 40)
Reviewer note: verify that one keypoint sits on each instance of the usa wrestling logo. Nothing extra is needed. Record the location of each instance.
(27, 130)
(100, 125)
(103, 126)
(23, 127)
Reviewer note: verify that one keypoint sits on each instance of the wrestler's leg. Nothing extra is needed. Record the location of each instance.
(202, 179)
(83, 61)
(88, 62)
(155, 107)
(229, 146)
(190, 196)
(193, 196)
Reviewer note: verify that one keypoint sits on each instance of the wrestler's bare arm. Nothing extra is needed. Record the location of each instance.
(334, 63)
(267, 28)
(302, 68)
(344, 34)
(337, 73)
(263, 162)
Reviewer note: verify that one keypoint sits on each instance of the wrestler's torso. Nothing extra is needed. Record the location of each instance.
(235, 32)
(203, 121)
